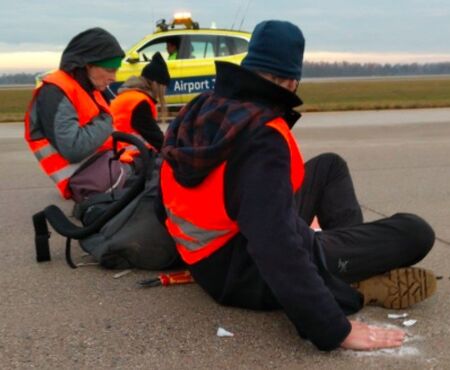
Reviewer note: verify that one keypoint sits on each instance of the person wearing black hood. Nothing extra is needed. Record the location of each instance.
(134, 108)
(238, 201)
(68, 120)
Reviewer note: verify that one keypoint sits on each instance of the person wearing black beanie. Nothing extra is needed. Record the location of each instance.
(156, 70)
(135, 107)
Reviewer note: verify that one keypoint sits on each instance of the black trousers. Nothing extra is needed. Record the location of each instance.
(355, 250)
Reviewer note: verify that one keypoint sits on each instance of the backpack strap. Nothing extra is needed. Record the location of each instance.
(41, 237)
(69, 254)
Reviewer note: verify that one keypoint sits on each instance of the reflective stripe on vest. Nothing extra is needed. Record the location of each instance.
(45, 153)
(196, 217)
(51, 162)
(198, 237)
(64, 173)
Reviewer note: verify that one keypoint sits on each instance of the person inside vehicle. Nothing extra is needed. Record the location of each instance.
(68, 121)
(238, 200)
(172, 47)
(134, 109)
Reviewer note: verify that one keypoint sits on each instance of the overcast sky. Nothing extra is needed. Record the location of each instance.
(33, 33)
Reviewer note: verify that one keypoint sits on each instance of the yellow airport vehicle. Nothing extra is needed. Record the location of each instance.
(191, 68)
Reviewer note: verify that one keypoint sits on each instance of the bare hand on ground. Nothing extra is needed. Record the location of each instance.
(365, 337)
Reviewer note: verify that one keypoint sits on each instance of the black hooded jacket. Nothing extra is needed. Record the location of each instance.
(56, 118)
(271, 262)
(89, 46)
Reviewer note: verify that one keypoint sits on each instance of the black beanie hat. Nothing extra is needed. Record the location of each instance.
(157, 70)
(276, 47)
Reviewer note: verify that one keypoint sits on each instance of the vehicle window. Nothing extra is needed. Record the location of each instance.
(240, 45)
(147, 51)
(225, 46)
(200, 46)
(210, 46)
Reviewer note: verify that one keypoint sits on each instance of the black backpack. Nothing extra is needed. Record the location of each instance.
(119, 229)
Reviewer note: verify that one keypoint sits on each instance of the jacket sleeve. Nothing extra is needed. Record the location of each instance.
(143, 122)
(280, 242)
(60, 125)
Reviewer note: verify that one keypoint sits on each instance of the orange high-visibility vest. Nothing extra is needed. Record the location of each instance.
(51, 162)
(122, 108)
(196, 217)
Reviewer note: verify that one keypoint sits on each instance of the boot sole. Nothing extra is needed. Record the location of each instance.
(399, 288)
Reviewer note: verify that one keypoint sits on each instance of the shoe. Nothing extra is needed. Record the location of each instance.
(399, 288)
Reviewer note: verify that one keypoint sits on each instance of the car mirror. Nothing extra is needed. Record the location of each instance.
(133, 57)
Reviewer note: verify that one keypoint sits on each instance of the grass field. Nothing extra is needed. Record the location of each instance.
(399, 93)
(376, 94)
(13, 103)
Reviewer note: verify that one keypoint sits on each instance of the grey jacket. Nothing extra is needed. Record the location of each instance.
(53, 116)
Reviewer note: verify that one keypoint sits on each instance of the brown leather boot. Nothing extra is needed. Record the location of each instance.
(399, 288)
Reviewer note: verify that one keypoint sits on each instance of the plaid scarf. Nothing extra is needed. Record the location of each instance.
(204, 133)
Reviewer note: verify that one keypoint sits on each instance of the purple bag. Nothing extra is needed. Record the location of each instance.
(100, 174)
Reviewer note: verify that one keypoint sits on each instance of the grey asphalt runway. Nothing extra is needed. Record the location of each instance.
(53, 317)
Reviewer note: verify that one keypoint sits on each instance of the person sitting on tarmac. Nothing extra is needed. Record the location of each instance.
(238, 200)
(68, 121)
(134, 109)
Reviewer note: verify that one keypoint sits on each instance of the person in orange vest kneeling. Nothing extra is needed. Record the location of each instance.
(68, 121)
(134, 109)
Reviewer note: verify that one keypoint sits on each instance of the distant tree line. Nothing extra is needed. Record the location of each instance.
(18, 79)
(313, 69)
(346, 69)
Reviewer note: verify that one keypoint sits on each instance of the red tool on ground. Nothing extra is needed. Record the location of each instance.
(171, 278)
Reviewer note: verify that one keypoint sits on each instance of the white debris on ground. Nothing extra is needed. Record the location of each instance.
(221, 332)
(409, 323)
(85, 264)
(121, 274)
(406, 323)
(397, 315)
